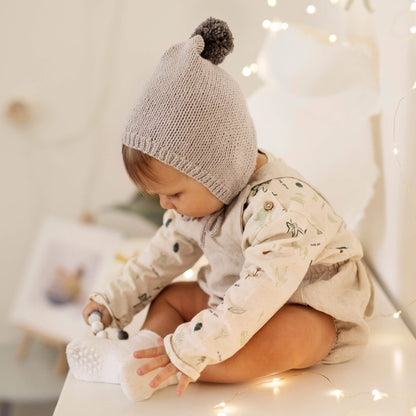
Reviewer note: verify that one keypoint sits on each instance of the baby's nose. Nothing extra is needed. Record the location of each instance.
(165, 203)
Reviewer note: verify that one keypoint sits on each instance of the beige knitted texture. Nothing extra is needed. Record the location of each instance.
(193, 116)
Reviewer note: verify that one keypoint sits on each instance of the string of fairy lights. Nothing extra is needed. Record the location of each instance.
(275, 381)
(276, 384)
(278, 25)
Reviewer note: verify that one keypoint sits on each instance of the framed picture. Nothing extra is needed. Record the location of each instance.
(69, 261)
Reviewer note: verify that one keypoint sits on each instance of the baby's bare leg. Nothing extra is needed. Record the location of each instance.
(176, 304)
(295, 337)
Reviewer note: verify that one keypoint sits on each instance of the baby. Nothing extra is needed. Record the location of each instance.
(284, 287)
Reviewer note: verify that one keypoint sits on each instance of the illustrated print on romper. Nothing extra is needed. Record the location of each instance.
(140, 272)
(212, 312)
(303, 251)
(223, 334)
(198, 326)
(201, 360)
(299, 198)
(283, 184)
(155, 271)
(243, 337)
(341, 249)
(257, 188)
(162, 261)
(254, 271)
(261, 216)
(144, 299)
(332, 219)
(237, 310)
(123, 320)
(316, 221)
(281, 275)
(293, 228)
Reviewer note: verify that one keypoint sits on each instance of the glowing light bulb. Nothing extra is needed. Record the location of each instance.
(413, 411)
(311, 9)
(271, 3)
(413, 30)
(414, 86)
(332, 38)
(337, 393)
(413, 6)
(246, 71)
(397, 314)
(276, 382)
(377, 395)
(285, 26)
(266, 24)
(220, 405)
(396, 151)
(254, 68)
(189, 274)
(275, 26)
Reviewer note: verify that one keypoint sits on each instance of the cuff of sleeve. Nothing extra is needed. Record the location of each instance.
(177, 362)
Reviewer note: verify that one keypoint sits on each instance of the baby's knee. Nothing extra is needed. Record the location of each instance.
(177, 290)
(185, 297)
(316, 338)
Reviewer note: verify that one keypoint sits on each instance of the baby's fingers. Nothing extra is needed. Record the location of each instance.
(152, 364)
(150, 352)
(163, 374)
(184, 381)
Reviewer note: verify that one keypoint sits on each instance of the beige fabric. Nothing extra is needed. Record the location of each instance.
(279, 242)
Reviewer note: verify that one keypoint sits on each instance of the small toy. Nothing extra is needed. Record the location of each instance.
(97, 326)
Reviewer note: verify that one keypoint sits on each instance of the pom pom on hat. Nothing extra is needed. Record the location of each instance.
(218, 39)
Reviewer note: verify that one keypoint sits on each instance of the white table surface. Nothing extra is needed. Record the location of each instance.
(389, 365)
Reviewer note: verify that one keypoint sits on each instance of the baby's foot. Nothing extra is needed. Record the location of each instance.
(137, 387)
(99, 359)
(94, 359)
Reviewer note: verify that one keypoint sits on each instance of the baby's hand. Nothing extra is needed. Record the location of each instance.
(94, 306)
(161, 360)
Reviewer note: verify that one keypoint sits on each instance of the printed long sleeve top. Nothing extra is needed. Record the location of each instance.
(261, 250)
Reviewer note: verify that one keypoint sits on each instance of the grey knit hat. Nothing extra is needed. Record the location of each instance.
(192, 115)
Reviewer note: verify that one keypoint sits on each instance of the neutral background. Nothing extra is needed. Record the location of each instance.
(78, 65)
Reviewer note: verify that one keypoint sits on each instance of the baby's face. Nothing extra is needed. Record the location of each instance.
(180, 192)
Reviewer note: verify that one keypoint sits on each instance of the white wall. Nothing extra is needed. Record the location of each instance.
(78, 65)
(388, 230)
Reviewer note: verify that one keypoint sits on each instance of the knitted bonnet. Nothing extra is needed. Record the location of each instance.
(192, 115)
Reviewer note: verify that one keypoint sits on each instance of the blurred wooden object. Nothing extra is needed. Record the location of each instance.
(30, 335)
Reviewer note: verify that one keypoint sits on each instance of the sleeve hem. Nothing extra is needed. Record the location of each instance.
(177, 362)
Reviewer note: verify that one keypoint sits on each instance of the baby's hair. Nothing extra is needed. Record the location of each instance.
(138, 166)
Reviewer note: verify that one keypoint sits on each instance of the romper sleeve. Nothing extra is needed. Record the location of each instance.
(279, 244)
(168, 255)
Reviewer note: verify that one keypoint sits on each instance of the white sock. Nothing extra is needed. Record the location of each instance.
(99, 359)
(137, 387)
